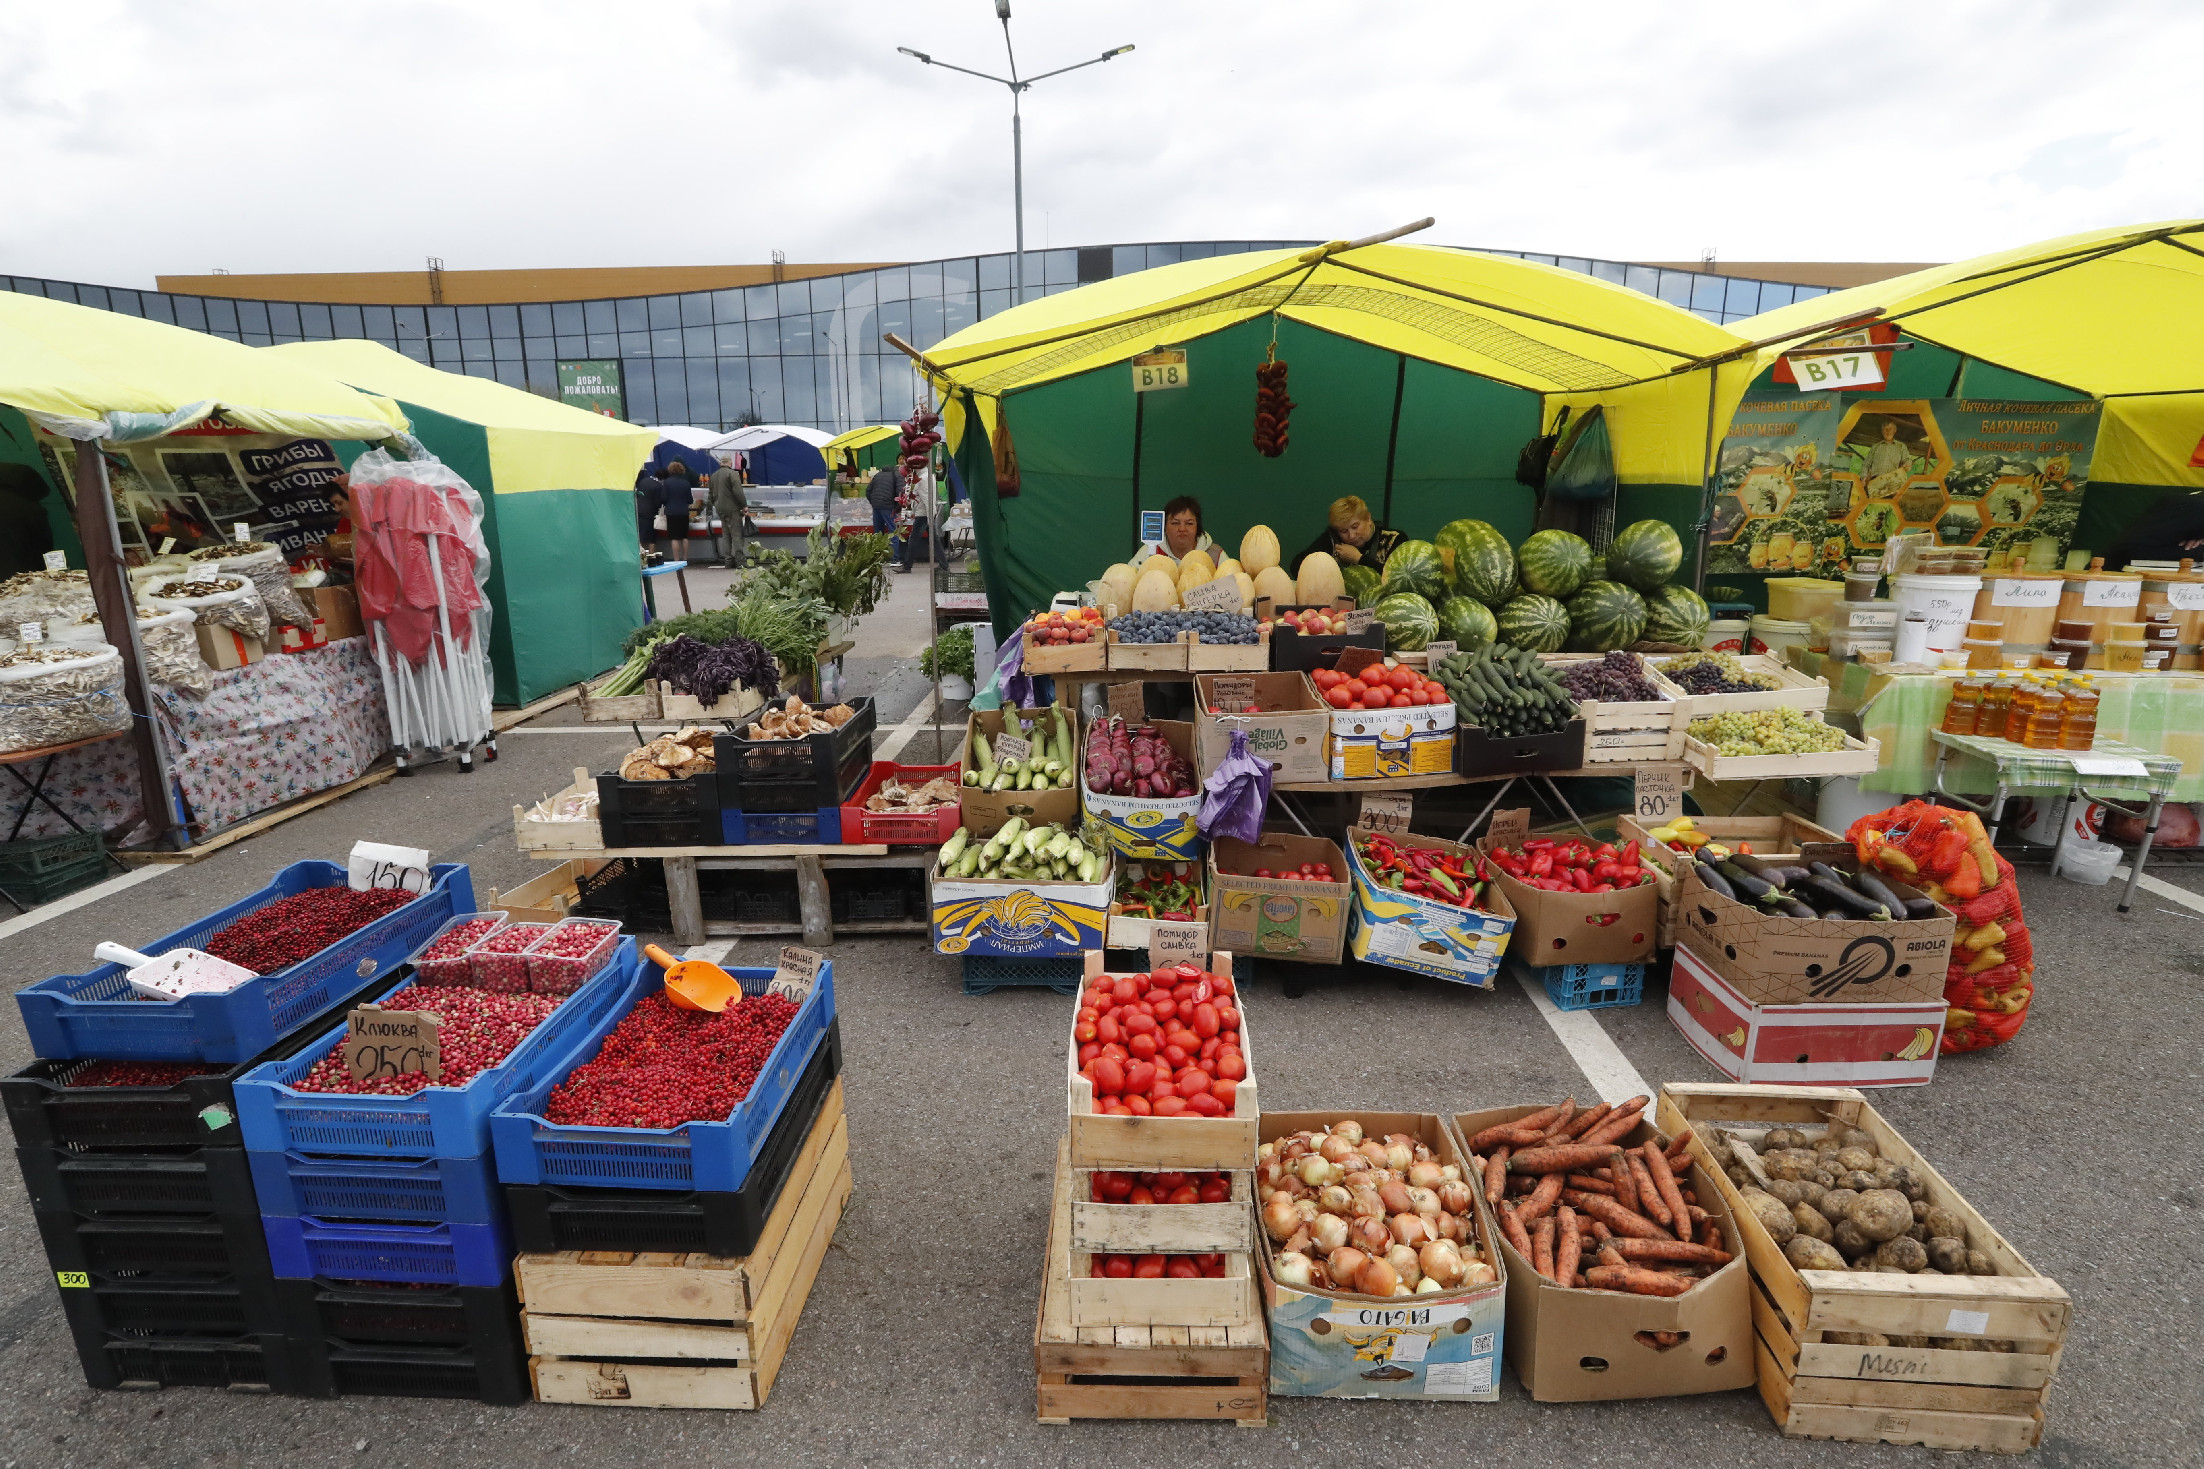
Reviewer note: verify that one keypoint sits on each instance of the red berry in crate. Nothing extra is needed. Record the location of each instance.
(298, 927)
(662, 1066)
(137, 1073)
(475, 1031)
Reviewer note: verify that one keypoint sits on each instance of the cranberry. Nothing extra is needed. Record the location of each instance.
(137, 1073)
(662, 1065)
(292, 929)
(475, 1031)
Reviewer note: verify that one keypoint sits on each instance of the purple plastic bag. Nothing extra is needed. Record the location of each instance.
(1236, 795)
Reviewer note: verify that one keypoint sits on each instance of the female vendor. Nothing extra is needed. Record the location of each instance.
(1182, 531)
(1353, 537)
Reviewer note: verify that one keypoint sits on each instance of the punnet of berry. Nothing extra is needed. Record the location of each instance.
(569, 954)
(475, 1030)
(500, 963)
(1161, 1044)
(302, 925)
(444, 961)
(663, 1066)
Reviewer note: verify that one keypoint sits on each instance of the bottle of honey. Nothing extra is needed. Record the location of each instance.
(1997, 703)
(2078, 727)
(2023, 705)
(2045, 718)
(1964, 710)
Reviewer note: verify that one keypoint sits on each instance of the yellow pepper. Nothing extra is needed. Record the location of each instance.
(1983, 937)
(1987, 959)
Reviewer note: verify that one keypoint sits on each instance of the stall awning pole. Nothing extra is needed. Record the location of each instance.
(118, 619)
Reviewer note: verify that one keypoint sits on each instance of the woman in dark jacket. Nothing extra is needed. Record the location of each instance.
(650, 495)
(679, 497)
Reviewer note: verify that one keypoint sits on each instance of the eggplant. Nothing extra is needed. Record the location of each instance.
(1713, 878)
(1782, 877)
(1872, 884)
(1784, 903)
(1920, 908)
(1836, 895)
(1831, 915)
(1749, 886)
(1752, 864)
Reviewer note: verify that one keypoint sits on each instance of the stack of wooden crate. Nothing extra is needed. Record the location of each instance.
(617, 1329)
(1993, 1341)
(1152, 1348)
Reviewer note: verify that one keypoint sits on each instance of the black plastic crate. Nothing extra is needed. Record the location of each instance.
(819, 758)
(101, 1308)
(807, 792)
(486, 1372)
(765, 897)
(857, 896)
(242, 1364)
(1478, 753)
(659, 813)
(109, 1185)
(360, 1338)
(629, 890)
(196, 1112)
(547, 1217)
(157, 1246)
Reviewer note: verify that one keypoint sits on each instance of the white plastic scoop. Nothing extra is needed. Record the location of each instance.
(177, 973)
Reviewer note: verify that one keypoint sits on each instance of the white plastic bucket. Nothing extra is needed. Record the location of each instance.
(1771, 635)
(1842, 802)
(2036, 818)
(1946, 603)
(1726, 635)
(2087, 861)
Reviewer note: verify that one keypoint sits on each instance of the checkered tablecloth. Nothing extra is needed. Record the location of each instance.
(2159, 715)
(2054, 770)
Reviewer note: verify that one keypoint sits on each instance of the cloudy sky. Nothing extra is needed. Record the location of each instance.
(304, 135)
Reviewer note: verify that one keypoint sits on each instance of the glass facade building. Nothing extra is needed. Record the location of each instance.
(807, 352)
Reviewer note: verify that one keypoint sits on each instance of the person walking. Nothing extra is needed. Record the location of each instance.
(650, 495)
(881, 492)
(679, 498)
(730, 503)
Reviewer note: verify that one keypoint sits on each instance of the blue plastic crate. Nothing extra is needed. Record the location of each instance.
(302, 1247)
(1591, 986)
(714, 1156)
(98, 1014)
(430, 1190)
(986, 973)
(438, 1122)
(820, 828)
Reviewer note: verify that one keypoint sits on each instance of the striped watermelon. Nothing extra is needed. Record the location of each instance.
(1482, 562)
(1645, 554)
(1555, 563)
(1409, 621)
(1361, 583)
(1540, 624)
(1468, 622)
(1604, 615)
(1414, 566)
(1676, 615)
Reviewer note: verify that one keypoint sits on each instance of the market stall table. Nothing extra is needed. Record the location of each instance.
(34, 787)
(816, 922)
(678, 570)
(2106, 770)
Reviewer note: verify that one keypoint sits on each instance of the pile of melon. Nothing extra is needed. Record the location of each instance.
(1160, 583)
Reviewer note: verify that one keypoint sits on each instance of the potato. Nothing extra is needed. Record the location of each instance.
(1864, 1265)
(1888, 1174)
(1856, 1159)
(1920, 1211)
(1980, 1264)
(1807, 1253)
(1773, 1214)
(1836, 1204)
(1739, 1175)
(1859, 1180)
(1852, 1137)
(1906, 1254)
(1947, 1255)
(1782, 1137)
(1812, 1192)
(1811, 1222)
(1789, 1190)
(1856, 1338)
(1917, 1231)
(1944, 1223)
(1826, 1144)
(1909, 1341)
(1721, 1152)
(1785, 1165)
(1882, 1214)
(1850, 1243)
(1957, 1343)
(1827, 1177)
(1928, 1270)
(1909, 1183)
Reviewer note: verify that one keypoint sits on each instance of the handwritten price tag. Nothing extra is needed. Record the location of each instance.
(1219, 595)
(168, 544)
(1362, 619)
(392, 1043)
(379, 865)
(794, 975)
(1387, 811)
(1660, 794)
(30, 632)
(2112, 593)
(1433, 652)
(1129, 701)
(1010, 747)
(57, 561)
(2025, 591)
(1510, 828)
(241, 532)
(1176, 943)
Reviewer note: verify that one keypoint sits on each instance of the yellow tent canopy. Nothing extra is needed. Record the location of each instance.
(858, 438)
(534, 443)
(83, 373)
(2114, 314)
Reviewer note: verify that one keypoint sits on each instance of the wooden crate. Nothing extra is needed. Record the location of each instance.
(1630, 732)
(1141, 1229)
(561, 836)
(639, 708)
(1794, 690)
(1089, 657)
(1140, 1371)
(1857, 757)
(739, 702)
(1933, 1396)
(1225, 1302)
(1229, 657)
(1149, 657)
(548, 898)
(623, 1330)
(1149, 1144)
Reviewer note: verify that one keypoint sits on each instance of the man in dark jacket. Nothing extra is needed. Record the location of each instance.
(732, 504)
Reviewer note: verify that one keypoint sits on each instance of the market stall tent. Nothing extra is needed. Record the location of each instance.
(1417, 372)
(692, 446)
(2115, 315)
(780, 453)
(557, 487)
(863, 449)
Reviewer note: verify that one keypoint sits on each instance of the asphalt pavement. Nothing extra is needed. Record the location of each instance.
(916, 1345)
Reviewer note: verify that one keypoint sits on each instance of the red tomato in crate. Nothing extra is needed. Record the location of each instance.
(1377, 698)
(1142, 1047)
(1183, 1267)
(1185, 1193)
(1231, 1065)
(1216, 1191)
(1170, 1106)
(1339, 697)
(1227, 1094)
(1138, 1105)
(1117, 1267)
(1109, 1076)
(1149, 1267)
(1400, 701)
(1206, 1104)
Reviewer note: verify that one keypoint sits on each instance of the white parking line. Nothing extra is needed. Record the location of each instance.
(1595, 1053)
(921, 718)
(2151, 884)
(83, 896)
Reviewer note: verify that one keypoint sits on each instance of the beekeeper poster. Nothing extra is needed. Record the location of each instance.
(1806, 481)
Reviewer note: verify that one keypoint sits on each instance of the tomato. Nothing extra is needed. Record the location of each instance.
(1187, 990)
(1140, 1194)
(1399, 701)
(1161, 1087)
(1115, 1108)
(1185, 1039)
(1403, 677)
(1139, 1076)
(1088, 1052)
(1111, 1048)
(1185, 1193)
(1206, 1104)
(1109, 1029)
(1117, 1267)
(1191, 1082)
(1205, 1019)
(1377, 698)
(1140, 1024)
(1166, 1008)
(1229, 1019)
(1212, 1267)
(1183, 1267)
(1109, 1076)
(1149, 1267)
(1174, 1056)
(1231, 1065)
(1262, 872)
(1170, 1106)
(1126, 990)
(1084, 1031)
(1222, 983)
(1418, 697)
(1210, 1047)
(1143, 1047)
(1216, 1191)
(1226, 1093)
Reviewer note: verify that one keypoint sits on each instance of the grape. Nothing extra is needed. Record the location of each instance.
(1783, 731)
(1617, 678)
(1716, 673)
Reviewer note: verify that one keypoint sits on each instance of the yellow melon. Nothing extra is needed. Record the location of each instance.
(1272, 582)
(1247, 588)
(1258, 550)
(1194, 572)
(1319, 581)
(1154, 592)
(1119, 581)
(1228, 566)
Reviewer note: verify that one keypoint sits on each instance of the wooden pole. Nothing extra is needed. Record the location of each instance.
(96, 529)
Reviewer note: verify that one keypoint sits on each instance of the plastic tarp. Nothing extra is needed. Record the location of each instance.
(83, 373)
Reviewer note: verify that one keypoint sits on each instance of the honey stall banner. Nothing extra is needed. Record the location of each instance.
(1806, 481)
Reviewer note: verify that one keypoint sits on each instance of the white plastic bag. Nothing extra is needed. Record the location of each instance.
(218, 598)
(52, 597)
(52, 695)
(270, 573)
(172, 649)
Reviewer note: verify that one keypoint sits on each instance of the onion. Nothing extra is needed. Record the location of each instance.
(1403, 1261)
(1377, 1278)
(1277, 1194)
(1350, 1129)
(1422, 1151)
(1299, 1241)
(1477, 1272)
(1354, 1162)
(1424, 1201)
(1428, 1287)
(1453, 1226)
(1280, 1218)
(1454, 1196)
(1317, 1170)
(1441, 1262)
(1271, 1173)
(1320, 1275)
(1363, 1203)
(1304, 1208)
(1264, 1150)
(1373, 1150)
(1335, 1148)
(1330, 1232)
(1396, 1199)
(1293, 1269)
(1425, 1175)
(1398, 1155)
(1410, 1229)
(1373, 1235)
(1293, 1149)
(1344, 1262)
(1450, 1170)
(1332, 1199)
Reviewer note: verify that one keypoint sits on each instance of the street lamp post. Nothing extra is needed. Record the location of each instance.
(1017, 86)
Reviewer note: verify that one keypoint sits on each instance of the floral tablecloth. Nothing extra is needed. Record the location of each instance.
(2162, 712)
(285, 727)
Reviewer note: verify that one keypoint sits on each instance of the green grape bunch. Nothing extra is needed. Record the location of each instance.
(1784, 731)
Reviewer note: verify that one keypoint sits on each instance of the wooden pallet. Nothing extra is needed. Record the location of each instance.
(610, 1329)
(1197, 1372)
(1936, 1397)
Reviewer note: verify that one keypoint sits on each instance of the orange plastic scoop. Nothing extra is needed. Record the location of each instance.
(695, 984)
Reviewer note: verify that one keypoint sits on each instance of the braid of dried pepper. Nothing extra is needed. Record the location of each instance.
(1272, 408)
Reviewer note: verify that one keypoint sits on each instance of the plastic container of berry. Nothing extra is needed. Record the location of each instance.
(98, 1014)
(444, 960)
(562, 960)
(437, 1121)
(712, 1156)
(499, 963)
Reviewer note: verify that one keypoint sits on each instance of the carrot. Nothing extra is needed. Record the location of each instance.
(1710, 1234)
(1618, 1124)
(1542, 1248)
(1496, 1132)
(1589, 1185)
(1650, 1202)
(1542, 1199)
(1679, 1151)
(1665, 1180)
(1615, 1216)
(1600, 1232)
(1496, 1173)
(1512, 1227)
(1585, 1121)
(1635, 1280)
(1559, 1128)
(1671, 1249)
(1566, 1158)
(1626, 1184)
(1609, 1255)
(1570, 1247)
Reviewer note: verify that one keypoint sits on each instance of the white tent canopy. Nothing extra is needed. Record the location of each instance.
(762, 433)
(705, 439)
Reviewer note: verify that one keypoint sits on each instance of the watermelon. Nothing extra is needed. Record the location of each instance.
(1468, 622)
(1409, 621)
(1555, 563)
(1483, 562)
(1361, 583)
(1415, 566)
(1676, 615)
(1645, 554)
(1540, 624)
(1604, 615)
